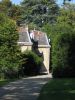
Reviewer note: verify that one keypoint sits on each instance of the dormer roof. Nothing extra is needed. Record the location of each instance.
(40, 37)
(24, 38)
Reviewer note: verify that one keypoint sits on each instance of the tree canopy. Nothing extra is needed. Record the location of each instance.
(11, 10)
(9, 50)
(39, 12)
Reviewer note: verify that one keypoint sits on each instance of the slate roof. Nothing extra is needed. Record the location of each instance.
(41, 38)
(24, 38)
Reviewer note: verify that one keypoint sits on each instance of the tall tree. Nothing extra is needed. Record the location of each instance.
(5, 5)
(15, 12)
(8, 45)
(11, 10)
(65, 22)
(39, 12)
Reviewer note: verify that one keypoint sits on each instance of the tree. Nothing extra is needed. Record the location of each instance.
(65, 24)
(9, 51)
(63, 41)
(5, 5)
(15, 12)
(63, 55)
(39, 12)
(31, 63)
(11, 10)
(65, 20)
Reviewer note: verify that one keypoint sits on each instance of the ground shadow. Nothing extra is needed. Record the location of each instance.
(25, 89)
(58, 88)
(35, 49)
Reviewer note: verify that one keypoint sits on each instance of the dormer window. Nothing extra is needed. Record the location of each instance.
(32, 34)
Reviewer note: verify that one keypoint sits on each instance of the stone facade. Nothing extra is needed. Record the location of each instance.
(24, 48)
(46, 58)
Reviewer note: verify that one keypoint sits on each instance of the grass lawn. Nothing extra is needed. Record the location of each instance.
(4, 82)
(58, 89)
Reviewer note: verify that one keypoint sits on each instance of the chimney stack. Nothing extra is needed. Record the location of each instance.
(26, 28)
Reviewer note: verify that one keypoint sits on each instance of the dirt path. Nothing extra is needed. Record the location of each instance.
(25, 89)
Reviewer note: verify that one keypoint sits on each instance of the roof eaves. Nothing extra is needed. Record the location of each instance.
(44, 46)
(46, 38)
(25, 43)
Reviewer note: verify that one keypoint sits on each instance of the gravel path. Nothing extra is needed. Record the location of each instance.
(25, 89)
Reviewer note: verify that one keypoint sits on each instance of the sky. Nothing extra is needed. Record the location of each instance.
(16, 1)
(59, 1)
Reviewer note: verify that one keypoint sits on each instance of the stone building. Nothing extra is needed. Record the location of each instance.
(38, 42)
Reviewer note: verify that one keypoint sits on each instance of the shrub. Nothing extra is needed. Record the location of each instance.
(11, 74)
(63, 55)
(31, 63)
(9, 50)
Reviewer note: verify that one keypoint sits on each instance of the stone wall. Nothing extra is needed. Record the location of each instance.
(24, 48)
(46, 58)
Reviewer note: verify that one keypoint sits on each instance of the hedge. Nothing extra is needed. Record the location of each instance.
(31, 63)
(63, 55)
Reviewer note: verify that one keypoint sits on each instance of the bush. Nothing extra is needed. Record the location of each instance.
(11, 74)
(63, 55)
(31, 63)
(9, 49)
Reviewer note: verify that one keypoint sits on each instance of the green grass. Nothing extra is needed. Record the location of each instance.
(3, 82)
(6, 81)
(58, 89)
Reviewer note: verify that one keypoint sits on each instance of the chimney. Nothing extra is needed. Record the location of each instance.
(26, 28)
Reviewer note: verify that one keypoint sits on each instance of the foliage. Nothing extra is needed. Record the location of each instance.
(11, 10)
(39, 12)
(33, 26)
(5, 5)
(64, 26)
(63, 44)
(9, 51)
(63, 55)
(31, 63)
(50, 30)
(58, 88)
(65, 22)
(15, 12)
